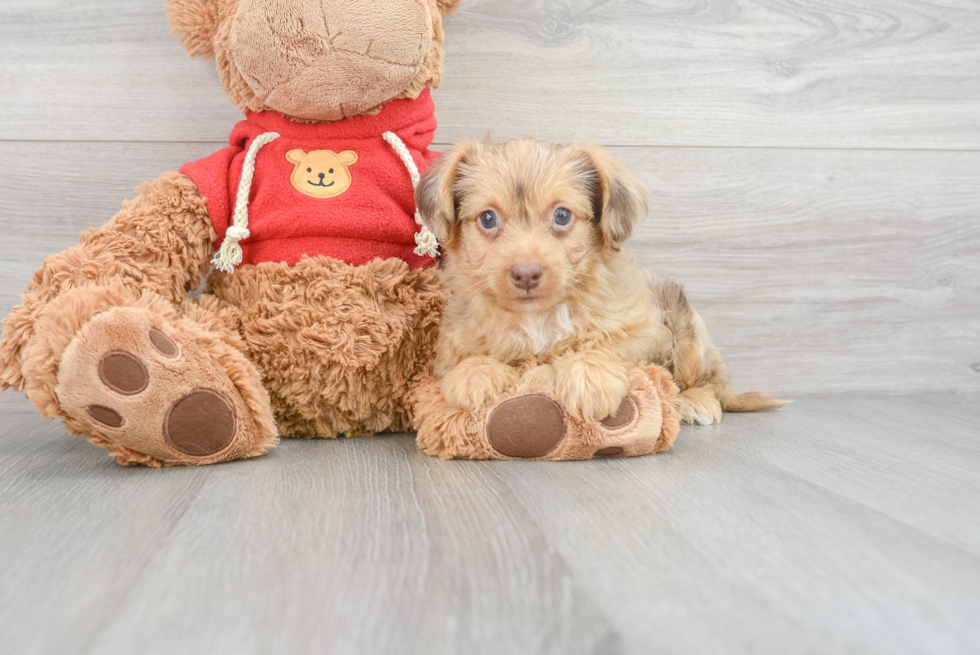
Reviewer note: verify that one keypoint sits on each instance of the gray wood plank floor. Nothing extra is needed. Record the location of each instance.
(837, 525)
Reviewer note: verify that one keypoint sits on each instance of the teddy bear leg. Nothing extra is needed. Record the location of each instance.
(530, 423)
(152, 384)
(337, 345)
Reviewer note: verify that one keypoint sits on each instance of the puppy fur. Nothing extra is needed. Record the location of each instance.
(532, 237)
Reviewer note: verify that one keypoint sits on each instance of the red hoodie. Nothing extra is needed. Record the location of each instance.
(335, 189)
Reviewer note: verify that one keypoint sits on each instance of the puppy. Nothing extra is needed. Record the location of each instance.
(532, 237)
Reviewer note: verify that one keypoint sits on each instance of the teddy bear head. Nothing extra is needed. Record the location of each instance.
(316, 60)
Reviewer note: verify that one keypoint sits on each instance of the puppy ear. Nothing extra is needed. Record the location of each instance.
(196, 22)
(435, 197)
(619, 199)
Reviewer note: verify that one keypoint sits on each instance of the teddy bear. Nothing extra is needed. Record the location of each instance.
(322, 298)
(323, 302)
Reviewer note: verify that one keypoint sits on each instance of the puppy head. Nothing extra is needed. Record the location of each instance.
(526, 224)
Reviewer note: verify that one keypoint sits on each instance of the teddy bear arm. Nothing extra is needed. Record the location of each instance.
(160, 242)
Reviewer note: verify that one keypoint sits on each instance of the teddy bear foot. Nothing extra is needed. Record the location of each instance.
(158, 392)
(534, 426)
(530, 423)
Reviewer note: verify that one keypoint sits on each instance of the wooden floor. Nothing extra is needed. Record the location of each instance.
(837, 525)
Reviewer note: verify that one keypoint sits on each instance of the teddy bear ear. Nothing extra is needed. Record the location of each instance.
(196, 23)
(447, 7)
(295, 156)
(348, 157)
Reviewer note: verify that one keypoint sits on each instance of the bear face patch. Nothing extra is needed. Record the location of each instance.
(321, 173)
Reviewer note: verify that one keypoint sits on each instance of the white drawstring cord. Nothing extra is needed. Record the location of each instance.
(425, 241)
(229, 255)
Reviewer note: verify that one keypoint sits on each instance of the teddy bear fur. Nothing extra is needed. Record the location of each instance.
(205, 30)
(320, 348)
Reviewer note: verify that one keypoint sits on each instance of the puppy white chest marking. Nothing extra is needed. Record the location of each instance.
(545, 330)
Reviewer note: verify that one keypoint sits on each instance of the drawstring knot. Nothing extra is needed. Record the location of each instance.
(425, 241)
(229, 255)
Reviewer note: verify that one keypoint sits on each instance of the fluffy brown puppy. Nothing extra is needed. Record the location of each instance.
(532, 236)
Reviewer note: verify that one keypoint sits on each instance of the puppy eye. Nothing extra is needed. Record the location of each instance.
(562, 217)
(488, 220)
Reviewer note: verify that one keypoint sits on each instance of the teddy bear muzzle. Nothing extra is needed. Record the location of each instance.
(327, 60)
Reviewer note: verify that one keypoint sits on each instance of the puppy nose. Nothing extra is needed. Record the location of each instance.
(526, 276)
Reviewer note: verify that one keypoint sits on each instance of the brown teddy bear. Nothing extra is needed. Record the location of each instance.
(338, 123)
(322, 311)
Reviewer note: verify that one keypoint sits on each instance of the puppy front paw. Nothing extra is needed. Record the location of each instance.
(698, 406)
(477, 382)
(591, 386)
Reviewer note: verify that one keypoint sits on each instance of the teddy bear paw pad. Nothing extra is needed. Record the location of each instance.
(123, 372)
(526, 426)
(201, 423)
(623, 416)
(105, 415)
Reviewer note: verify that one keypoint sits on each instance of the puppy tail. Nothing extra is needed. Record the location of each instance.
(697, 363)
(753, 401)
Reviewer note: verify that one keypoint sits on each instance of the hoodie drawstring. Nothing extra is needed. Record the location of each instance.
(425, 241)
(229, 255)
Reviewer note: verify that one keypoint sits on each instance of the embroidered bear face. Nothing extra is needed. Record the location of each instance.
(321, 173)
